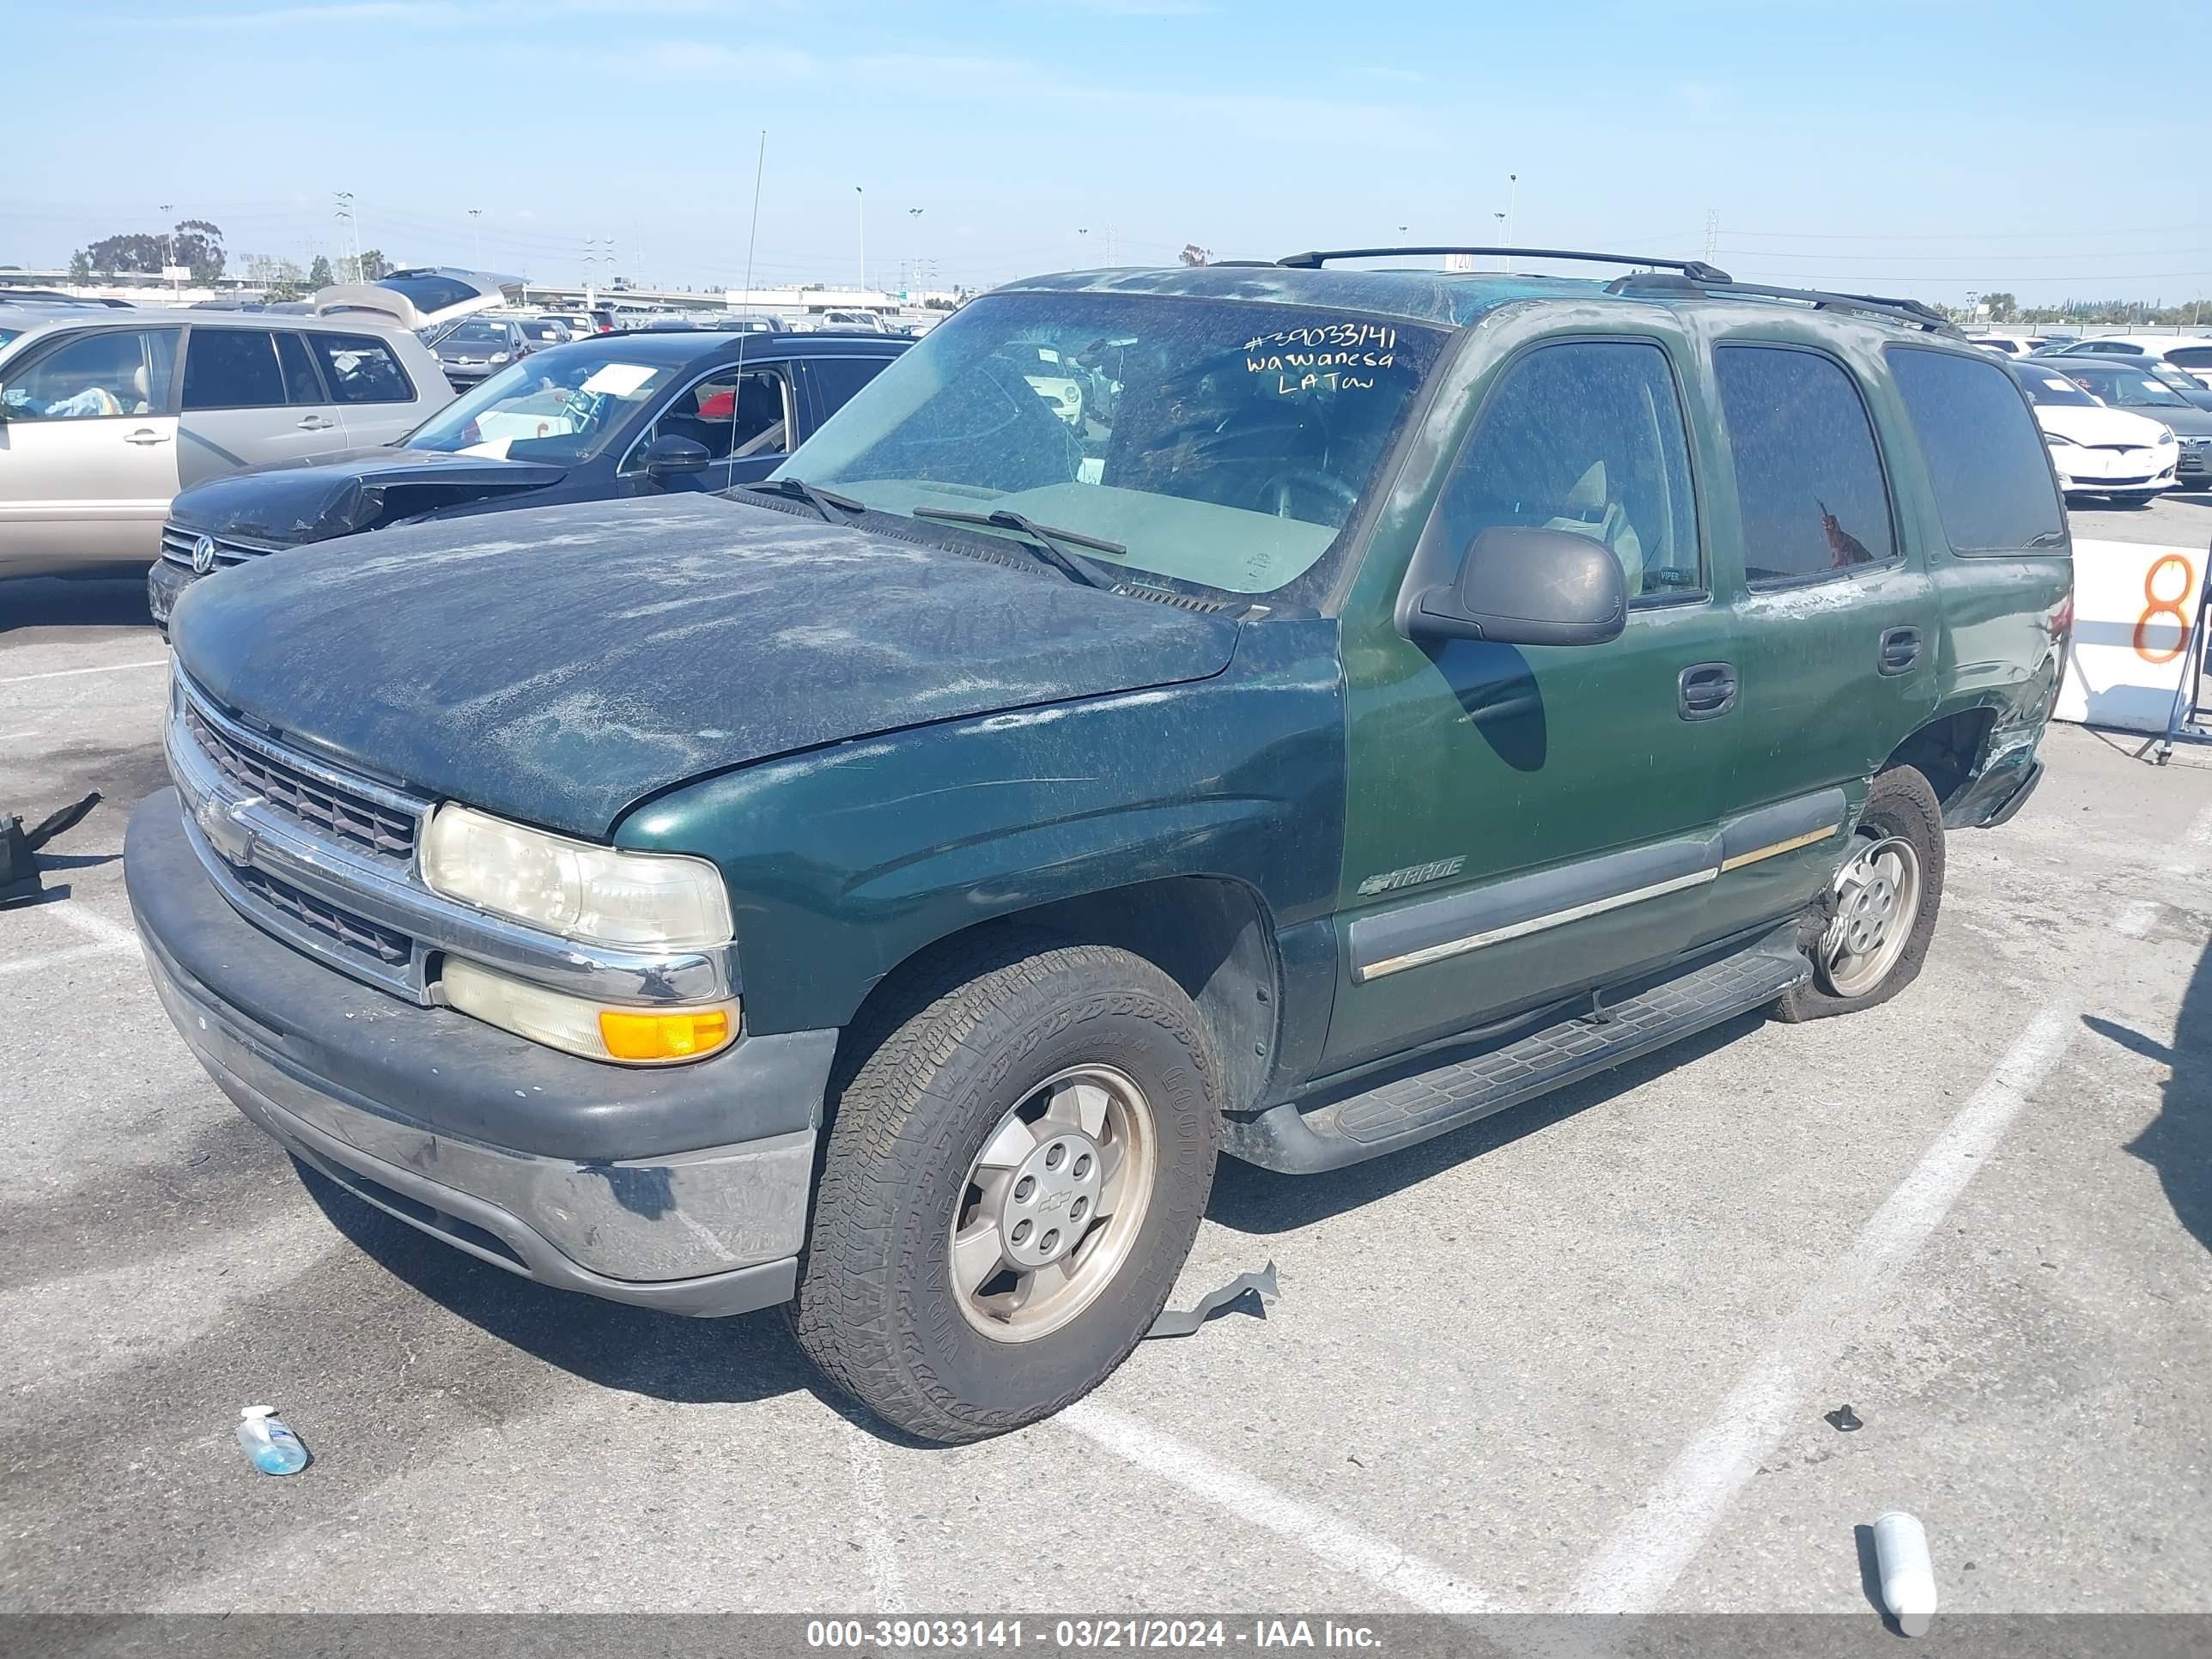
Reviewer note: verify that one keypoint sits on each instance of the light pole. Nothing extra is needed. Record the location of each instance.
(1500, 220)
(168, 240)
(860, 191)
(1512, 210)
(476, 227)
(913, 274)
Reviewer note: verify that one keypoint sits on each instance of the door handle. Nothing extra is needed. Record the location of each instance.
(146, 434)
(1900, 649)
(1706, 690)
(316, 423)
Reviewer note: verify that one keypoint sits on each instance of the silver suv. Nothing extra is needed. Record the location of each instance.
(105, 415)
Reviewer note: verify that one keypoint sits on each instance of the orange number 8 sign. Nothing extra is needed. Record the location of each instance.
(2156, 607)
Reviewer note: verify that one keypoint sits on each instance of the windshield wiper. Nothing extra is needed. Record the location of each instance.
(820, 500)
(1047, 537)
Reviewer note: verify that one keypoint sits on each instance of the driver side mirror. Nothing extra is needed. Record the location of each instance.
(1524, 586)
(670, 456)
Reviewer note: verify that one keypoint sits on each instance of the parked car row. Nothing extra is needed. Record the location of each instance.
(106, 415)
(2127, 429)
(604, 419)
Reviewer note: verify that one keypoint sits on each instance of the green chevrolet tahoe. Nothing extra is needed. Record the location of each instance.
(1289, 710)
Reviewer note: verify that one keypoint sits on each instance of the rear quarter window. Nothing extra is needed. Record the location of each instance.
(1984, 452)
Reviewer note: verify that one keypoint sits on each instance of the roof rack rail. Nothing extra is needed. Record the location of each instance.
(1696, 269)
(1911, 312)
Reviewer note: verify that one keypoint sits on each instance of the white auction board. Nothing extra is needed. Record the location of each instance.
(2135, 604)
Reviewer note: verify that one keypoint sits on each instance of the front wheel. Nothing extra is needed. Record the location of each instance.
(1873, 932)
(1014, 1176)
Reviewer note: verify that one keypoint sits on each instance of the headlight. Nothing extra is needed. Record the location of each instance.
(2057, 441)
(574, 888)
(634, 1036)
(496, 357)
(2165, 436)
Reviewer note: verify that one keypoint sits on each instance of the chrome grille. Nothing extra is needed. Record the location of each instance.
(348, 816)
(177, 543)
(394, 949)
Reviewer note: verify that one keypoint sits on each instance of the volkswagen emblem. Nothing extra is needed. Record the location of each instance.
(203, 555)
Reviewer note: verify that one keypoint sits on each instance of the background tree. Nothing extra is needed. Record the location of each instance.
(2002, 308)
(373, 264)
(318, 273)
(194, 242)
(198, 245)
(1193, 254)
(80, 266)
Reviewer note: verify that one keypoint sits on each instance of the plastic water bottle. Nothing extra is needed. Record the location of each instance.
(1908, 1577)
(274, 1448)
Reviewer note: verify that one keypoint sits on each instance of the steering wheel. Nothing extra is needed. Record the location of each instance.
(579, 407)
(1277, 495)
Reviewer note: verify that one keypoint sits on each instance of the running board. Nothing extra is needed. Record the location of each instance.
(1414, 1108)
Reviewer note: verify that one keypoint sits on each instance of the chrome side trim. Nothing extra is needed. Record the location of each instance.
(1451, 924)
(1455, 947)
(272, 842)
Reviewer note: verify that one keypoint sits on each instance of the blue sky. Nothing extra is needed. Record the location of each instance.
(1916, 148)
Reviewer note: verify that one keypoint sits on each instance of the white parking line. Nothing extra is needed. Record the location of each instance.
(65, 673)
(1638, 1565)
(1427, 1586)
(113, 935)
(872, 1511)
(50, 959)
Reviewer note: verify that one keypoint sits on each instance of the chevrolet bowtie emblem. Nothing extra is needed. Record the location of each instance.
(226, 828)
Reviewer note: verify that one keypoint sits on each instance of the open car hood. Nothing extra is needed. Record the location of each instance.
(558, 665)
(285, 503)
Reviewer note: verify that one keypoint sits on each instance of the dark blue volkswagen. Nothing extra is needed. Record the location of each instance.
(622, 415)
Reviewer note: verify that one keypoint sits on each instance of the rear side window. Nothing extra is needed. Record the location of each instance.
(2191, 356)
(1809, 478)
(362, 369)
(232, 368)
(1985, 453)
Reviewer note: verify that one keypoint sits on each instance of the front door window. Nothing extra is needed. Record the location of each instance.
(114, 372)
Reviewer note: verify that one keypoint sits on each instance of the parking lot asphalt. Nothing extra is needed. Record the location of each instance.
(1575, 1356)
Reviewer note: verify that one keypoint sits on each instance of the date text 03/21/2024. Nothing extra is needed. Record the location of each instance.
(1084, 1634)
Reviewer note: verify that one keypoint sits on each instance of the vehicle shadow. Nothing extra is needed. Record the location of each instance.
(2177, 1142)
(1249, 1199)
(104, 601)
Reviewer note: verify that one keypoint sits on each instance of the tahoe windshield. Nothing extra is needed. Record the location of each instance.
(552, 406)
(1222, 443)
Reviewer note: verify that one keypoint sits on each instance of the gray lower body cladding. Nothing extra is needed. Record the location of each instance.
(389, 1100)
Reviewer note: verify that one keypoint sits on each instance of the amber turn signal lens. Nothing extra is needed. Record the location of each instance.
(663, 1037)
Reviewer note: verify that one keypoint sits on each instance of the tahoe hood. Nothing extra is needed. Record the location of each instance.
(286, 503)
(557, 666)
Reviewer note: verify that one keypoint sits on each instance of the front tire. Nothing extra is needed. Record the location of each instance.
(1014, 1176)
(1871, 935)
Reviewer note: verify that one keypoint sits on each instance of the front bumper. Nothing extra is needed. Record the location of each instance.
(684, 1189)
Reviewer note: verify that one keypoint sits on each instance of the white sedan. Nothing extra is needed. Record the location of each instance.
(2096, 450)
